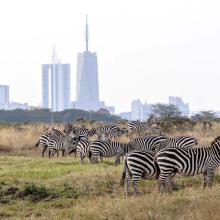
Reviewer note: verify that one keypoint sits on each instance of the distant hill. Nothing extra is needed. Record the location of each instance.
(45, 115)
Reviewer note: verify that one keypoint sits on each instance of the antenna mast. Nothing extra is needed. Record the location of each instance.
(87, 34)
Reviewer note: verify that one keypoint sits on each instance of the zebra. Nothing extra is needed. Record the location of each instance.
(61, 143)
(82, 132)
(143, 128)
(43, 140)
(153, 131)
(105, 149)
(137, 164)
(181, 142)
(108, 131)
(91, 132)
(148, 143)
(82, 148)
(189, 162)
(136, 126)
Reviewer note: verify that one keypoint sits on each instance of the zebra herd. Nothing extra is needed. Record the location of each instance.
(151, 155)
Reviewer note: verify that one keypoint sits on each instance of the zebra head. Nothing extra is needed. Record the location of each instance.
(69, 143)
(68, 128)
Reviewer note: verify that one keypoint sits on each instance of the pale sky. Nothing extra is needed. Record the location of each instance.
(146, 49)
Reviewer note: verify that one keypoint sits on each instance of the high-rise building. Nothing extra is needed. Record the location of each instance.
(4, 95)
(136, 110)
(87, 83)
(56, 84)
(140, 111)
(178, 102)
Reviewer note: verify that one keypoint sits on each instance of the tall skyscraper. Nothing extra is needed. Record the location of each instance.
(4, 95)
(87, 84)
(56, 84)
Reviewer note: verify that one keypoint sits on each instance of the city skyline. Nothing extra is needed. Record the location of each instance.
(166, 49)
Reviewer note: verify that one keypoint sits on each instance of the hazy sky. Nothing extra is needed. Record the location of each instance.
(146, 49)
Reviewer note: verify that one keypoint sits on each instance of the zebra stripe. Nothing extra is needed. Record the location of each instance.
(181, 142)
(82, 148)
(148, 143)
(76, 131)
(189, 162)
(105, 149)
(44, 138)
(109, 131)
(138, 164)
(61, 143)
(136, 126)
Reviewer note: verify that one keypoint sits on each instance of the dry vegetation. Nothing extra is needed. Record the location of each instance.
(32, 187)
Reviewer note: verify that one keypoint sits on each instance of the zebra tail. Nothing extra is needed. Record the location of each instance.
(124, 172)
(36, 145)
(157, 168)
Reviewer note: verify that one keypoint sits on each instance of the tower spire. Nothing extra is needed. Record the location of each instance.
(87, 34)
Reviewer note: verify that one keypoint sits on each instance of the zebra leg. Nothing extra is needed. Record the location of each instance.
(204, 180)
(135, 181)
(81, 158)
(210, 178)
(57, 153)
(44, 149)
(75, 152)
(127, 181)
(117, 160)
(165, 176)
(63, 151)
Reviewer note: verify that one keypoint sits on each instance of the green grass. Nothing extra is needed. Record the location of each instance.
(62, 188)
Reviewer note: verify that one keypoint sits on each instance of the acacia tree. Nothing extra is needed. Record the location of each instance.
(165, 111)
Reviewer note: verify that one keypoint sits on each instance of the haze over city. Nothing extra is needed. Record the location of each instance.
(146, 49)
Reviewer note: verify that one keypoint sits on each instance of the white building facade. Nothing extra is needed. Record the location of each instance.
(56, 85)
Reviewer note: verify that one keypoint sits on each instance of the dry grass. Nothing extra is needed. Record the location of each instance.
(62, 188)
(21, 139)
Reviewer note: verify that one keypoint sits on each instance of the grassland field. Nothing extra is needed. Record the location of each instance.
(32, 187)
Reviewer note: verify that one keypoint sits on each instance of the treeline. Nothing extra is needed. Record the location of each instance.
(171, 119)
(45, 115)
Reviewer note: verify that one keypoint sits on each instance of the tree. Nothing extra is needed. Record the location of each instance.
(165, 111)
(205, 116)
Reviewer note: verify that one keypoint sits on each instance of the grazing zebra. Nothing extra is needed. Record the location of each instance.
(181, 142)
(143, 127)
(189, 162)
(136, 126)
(61, 143)
(148, 143)
(43, 140)
(82, 148)
(105, 149)
(137, 164)
(109, 131)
